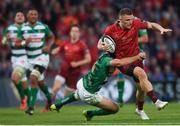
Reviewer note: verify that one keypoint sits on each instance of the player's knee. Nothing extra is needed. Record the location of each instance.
(35, 75)
(139, 72)
(115, 109)
(17, 74)
(34, 80)
(60, 79)
(15, 78)
(76, 96)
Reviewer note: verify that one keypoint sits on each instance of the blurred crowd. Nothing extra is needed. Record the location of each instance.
(163, 63)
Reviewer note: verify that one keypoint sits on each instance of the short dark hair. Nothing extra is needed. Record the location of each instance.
(32, 8)
(125, 11)
(75, 25)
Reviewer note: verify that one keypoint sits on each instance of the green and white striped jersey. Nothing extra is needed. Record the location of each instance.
(13, 32)
(38, 33)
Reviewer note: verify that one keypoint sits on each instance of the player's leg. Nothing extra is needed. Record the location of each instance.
(146, 86)
(25, 101)
(60, 79)
(66, 100)
(58, 82)
(106, 107)
(140, 103)
(74, 96)
(44, 89)
(25, 86)
(16, 77)
(120, 86)
(71, 82)
(68, 90)
(34, 77)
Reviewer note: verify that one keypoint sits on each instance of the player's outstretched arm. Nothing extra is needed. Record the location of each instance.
(55, 50)
(128, 60)
(155, 26)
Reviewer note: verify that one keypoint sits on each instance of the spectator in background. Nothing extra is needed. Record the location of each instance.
(176, 63)
(157, 75)
(169, 74)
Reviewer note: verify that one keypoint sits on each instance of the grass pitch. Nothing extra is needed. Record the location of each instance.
(73, 115)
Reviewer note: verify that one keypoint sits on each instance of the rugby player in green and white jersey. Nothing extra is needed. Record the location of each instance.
(18, 58)
(39, 39)
(90, 84)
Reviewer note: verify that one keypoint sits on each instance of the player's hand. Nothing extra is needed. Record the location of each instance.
(18, 42)
(105, 47)
(55, 51)
(28, 40)
(74, 64)
(142, 56)
(165, 30)
(8, 37)
(46, 49)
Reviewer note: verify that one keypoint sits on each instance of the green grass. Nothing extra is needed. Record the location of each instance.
(73, 115)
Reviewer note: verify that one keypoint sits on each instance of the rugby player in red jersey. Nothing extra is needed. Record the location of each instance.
(75, 54)
(125, 34)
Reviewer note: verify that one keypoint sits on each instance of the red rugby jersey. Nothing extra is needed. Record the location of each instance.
(126, 40)
(73, 51)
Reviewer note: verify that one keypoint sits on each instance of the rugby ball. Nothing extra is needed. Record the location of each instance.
(108, 40)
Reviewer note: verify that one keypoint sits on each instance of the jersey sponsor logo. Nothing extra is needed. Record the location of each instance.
(133, 29)
(12, 28)
(66, 48)
(39, 27)
(26, 28)
(35, 44)
(36, 37)
(36, 40)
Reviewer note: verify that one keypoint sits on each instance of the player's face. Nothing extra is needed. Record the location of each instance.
(32, 16)
(126, 21)
(19, 18)
(75, 33)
